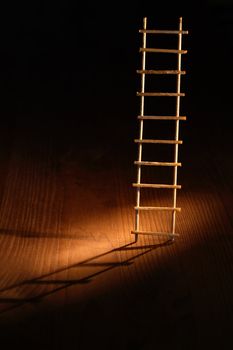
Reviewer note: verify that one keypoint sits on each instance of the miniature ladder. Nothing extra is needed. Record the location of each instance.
(173, 209)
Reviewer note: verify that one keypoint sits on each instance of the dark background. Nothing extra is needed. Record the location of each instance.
(76, 61)
(68, 72)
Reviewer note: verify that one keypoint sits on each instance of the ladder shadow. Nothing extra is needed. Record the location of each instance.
(60, 284)
(33, 234)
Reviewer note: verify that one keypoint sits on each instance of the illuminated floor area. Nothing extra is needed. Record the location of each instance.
(70, 274)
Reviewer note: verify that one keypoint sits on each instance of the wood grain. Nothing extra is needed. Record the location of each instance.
(70, 273)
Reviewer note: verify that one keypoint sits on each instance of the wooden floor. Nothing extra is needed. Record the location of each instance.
(71, 274)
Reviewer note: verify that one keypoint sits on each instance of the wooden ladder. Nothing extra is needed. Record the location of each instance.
(176, 118)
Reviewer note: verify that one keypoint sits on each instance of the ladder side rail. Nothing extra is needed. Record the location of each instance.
(138, 192)
(177, 125)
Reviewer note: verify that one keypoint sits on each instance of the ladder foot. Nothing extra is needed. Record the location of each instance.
(152, 233)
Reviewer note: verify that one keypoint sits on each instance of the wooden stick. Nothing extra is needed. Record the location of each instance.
(175, 164)
(172, 142)
(151, 71)
(142, 49)
(177, 124)
(158, 208)
(141, 126)
(156, 186)
(152, 31)
(160, 94)
(165, 234)
(155, 117)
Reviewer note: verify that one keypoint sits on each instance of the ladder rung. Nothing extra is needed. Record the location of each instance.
(142, 49)
(160, 94)
(152, 31)
(165, 234)
(161, 71)
(157, 163)
(156, 186)
(158, 208)
(155, 117)
(171, 142)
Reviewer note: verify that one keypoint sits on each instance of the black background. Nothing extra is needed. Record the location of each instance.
(76, 60)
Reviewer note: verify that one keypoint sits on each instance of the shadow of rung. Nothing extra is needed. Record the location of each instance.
(78, 281)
